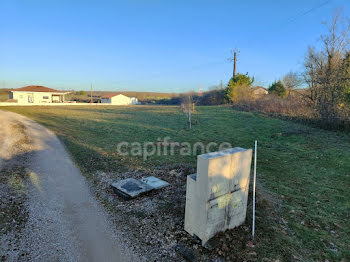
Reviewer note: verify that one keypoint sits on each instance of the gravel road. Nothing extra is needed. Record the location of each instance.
(64, 221)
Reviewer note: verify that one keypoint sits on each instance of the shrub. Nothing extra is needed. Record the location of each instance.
(239, 88)
(277, 88)
(292, 106)
(214, 97)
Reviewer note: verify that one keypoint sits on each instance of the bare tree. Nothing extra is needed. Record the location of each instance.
(291, 81)
(326, 72)
(187, 105)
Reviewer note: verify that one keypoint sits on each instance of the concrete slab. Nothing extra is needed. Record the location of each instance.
(154, 182)
(130, 188)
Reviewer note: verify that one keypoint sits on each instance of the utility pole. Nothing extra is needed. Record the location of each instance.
(234, 60)
(234, 63)
(91, 93)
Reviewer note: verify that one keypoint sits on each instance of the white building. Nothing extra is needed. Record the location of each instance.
(259, 91)
(36, 95)
(134, 101)
(118, 99)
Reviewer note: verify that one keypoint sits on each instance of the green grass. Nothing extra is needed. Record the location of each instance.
(304, 172)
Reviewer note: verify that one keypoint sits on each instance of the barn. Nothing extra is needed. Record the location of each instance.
(118, 99)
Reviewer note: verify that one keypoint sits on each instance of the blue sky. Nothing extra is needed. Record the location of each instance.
(155, 45)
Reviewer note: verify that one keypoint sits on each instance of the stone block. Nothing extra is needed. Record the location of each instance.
(217, 196)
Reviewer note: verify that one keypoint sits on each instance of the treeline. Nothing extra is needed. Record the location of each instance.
(318, 94)
(325, 95)
(212, 97)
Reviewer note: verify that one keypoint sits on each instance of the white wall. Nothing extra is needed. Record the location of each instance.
(120, 100)
(117, 100)
(36, 97)
(134, 101)
(260, 92)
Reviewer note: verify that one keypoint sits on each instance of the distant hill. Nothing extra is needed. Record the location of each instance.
(141, 96)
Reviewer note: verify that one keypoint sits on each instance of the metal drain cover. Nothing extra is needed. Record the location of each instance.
(155, 182)
(130, 187)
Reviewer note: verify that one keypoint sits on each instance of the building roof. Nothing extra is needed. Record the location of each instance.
(38, 89)
(111, 95)
(259, 87)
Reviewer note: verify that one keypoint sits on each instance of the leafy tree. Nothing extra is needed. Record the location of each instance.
(82, 93)
(278, 89)
(239, 88)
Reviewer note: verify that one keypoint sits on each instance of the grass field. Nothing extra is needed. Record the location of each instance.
(303, 172)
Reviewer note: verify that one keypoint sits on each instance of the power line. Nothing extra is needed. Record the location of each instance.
(308, 11)
(185, 70)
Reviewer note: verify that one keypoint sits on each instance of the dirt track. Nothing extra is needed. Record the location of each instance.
(63, 221)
